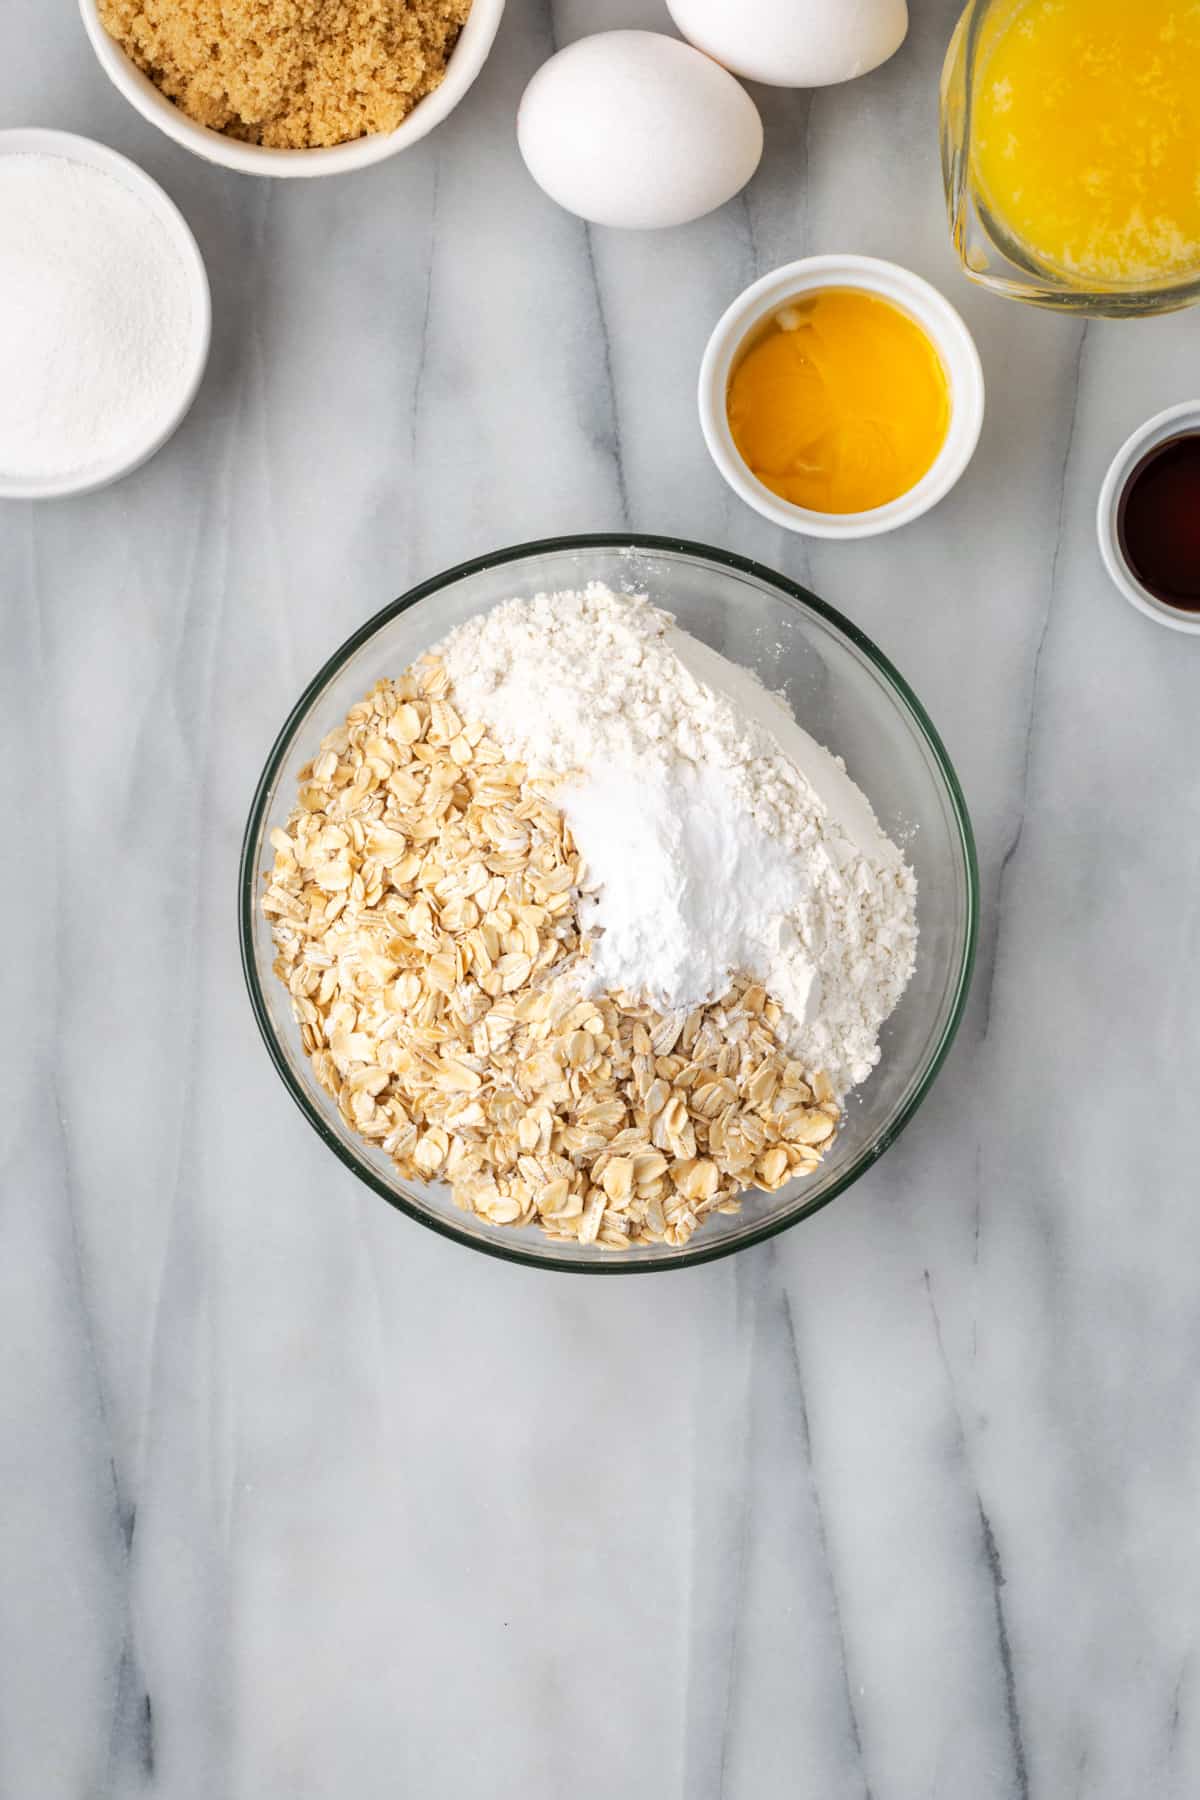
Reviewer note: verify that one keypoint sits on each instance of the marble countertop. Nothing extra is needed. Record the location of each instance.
(300, 1500)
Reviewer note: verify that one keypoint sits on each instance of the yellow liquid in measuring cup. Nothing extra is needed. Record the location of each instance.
(1085, 136)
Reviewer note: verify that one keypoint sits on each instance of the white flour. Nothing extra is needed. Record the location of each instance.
(95, 318)
(718, 836)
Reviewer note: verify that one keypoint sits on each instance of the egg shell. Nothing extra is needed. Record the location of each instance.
(633, 129)
(794, 43)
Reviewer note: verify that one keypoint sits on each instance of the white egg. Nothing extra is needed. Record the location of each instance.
(794, 43)
(631, 128)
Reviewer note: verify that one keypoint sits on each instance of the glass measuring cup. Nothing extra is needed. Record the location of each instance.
(992, 248)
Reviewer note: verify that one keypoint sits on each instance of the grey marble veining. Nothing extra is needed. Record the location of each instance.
(301, 1501)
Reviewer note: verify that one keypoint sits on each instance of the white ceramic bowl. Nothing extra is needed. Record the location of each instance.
(35, 142)
(469, 56)
(1174, 422)
(912, 295)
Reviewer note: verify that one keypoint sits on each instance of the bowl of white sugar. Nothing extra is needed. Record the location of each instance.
(608, 904)
(105, 315)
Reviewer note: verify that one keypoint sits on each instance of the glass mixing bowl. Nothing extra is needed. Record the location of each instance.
(842, 690)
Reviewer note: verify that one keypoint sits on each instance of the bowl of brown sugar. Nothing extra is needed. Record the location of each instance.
(293, 87)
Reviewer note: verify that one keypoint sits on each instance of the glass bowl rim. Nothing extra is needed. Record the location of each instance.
(698, 1251)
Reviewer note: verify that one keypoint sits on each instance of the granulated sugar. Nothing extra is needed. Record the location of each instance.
(95, 318)
(718, 837)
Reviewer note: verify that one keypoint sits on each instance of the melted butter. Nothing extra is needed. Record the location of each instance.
(1084, 135)
(841, 405)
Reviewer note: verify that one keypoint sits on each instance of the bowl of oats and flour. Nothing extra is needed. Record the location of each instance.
(608, 904)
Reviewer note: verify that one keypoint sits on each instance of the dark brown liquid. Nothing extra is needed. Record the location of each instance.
(1158, 523)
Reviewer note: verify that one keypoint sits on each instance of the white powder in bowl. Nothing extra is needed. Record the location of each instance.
(95, 318)
(718, 836)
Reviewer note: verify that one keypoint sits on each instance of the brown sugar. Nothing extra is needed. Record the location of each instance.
(293, 74)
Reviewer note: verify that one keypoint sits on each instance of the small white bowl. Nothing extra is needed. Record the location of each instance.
(912, 295)
(468, 57)
(37, 142)
(1176, 421)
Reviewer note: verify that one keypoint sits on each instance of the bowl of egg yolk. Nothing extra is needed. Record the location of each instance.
(841, 396)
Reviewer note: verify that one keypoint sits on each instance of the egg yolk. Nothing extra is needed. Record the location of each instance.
(841, 405)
